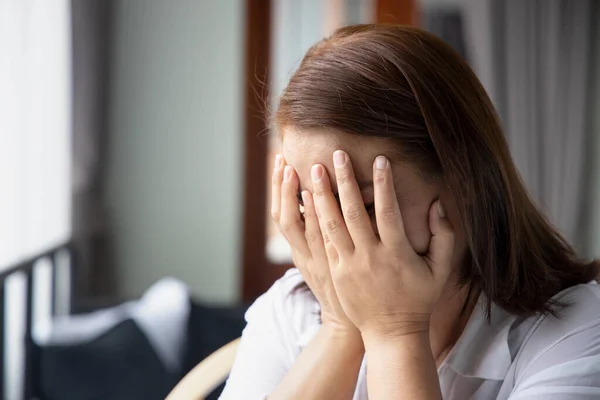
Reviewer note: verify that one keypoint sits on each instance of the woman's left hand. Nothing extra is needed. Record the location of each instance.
(383, 285)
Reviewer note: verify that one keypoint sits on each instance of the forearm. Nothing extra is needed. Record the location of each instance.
(327, 368)
(402, 368)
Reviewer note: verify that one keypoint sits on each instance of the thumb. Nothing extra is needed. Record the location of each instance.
(441, 246)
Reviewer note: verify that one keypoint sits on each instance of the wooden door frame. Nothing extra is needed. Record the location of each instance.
(258, 272)
(405, 12)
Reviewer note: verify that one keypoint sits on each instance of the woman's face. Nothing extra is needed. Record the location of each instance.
(303, 149)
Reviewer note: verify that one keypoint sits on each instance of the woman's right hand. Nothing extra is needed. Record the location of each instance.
(307, 244)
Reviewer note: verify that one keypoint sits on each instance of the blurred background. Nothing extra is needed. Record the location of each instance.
(134, 162)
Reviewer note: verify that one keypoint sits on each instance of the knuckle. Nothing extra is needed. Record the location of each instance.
(312, 236)
(389, 213)
(276, 215)
(320, 280)
(288, 225)
(333, 258)
(332, 225)
(368, 265)
(353, 212)
(318, 190)
(343, 177)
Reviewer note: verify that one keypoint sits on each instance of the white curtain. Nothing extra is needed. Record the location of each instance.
(592, 208)
(534, 57)
(35, 148)
(35, 123)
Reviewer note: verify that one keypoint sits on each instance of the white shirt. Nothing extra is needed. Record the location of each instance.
(510, 358)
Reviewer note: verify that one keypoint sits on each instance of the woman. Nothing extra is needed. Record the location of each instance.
(431, 272)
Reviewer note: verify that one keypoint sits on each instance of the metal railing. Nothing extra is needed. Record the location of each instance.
(27, 268)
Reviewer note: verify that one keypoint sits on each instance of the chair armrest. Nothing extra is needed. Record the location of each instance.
(207, 375)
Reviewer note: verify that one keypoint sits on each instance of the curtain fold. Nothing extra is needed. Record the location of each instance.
(447, 24)
(35, 202)
(534, 59)
(35, 116)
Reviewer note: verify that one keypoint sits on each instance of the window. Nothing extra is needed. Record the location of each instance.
(35, 148)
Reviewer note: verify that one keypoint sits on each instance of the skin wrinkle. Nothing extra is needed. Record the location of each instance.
(415, 202)
(302, 149)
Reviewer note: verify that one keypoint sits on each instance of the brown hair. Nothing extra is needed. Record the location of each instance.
(407, 85)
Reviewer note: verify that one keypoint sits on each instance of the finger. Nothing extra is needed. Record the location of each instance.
(441, 246)
(312, 231)
(330, 251)
(320, 247)
(387, 211)
(276, 180)
(353, 208)
(329, 214)
(291, 223)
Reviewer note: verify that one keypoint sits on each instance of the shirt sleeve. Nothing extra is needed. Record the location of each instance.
(567, 370)
(272, 339)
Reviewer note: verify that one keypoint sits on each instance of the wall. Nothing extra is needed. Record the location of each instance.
(174, 171)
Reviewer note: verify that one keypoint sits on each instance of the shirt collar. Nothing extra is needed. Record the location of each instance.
(482, 350)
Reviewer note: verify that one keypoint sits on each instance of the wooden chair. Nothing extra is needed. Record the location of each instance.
(206, 376)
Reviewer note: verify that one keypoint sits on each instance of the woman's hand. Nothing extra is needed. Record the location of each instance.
(307, 244)
(384, 287)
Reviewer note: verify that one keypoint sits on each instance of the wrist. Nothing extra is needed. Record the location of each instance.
(347, 336)
(415, 330)
(406, 342)
(408, 325)
(408, 359)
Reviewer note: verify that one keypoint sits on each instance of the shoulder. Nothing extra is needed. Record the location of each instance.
(288, 307)
(581, 312)
(567, 344)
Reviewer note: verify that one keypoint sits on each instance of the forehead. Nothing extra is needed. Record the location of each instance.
(304, 148)
(317, 146)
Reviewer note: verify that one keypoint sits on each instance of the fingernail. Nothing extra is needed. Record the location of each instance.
(278, 161)
(316, 172)
(339, 159)
(287, 172)
(380, 162)
(441, 211)
(305, 198)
